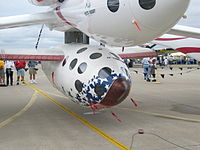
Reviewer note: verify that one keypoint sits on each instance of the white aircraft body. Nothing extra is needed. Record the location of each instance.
(112, 22)
(94, 75)
(92, 80)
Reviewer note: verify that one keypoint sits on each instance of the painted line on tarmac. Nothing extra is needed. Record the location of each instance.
(161, 115)
(91, 126)
(53, 94)
(14, 117)
(149, 113)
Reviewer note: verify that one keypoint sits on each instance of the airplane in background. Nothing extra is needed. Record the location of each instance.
(186, 45)
(95, 75)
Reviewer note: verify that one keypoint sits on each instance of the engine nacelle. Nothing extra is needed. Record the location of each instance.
(45, 2)
(90, 75)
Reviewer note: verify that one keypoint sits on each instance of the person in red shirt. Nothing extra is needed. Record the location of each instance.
(20, 67)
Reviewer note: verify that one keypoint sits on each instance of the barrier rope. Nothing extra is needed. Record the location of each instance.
(189, 70)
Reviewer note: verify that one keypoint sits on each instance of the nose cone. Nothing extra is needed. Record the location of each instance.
(158, 14)
(117, 92)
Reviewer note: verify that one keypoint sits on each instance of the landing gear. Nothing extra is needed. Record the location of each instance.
(76, 37)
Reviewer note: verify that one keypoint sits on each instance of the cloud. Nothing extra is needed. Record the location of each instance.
(18, 7)
(26, 37)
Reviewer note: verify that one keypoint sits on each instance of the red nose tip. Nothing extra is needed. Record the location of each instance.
(117, 93)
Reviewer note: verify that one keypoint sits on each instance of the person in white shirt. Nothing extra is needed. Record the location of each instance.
(9, 69)
(166, 61)
(146, 66)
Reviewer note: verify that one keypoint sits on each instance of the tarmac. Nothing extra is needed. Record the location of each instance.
(38, 117)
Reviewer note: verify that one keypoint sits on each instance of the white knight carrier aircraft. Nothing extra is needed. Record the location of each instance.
(95, 75)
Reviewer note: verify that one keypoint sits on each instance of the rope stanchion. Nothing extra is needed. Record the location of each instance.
(141, 132)
(157, 77)
(163, 75)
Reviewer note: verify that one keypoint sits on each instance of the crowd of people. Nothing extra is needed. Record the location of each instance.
(7, 69)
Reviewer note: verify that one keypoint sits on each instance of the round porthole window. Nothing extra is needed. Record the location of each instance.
(95, 55)
(64, 62)
(81, 50)
(99, 90)
(61, 1)
(78, 85)
(73, 63)
(113, 5)
(104, 72)
(147, 4)
(82, 67)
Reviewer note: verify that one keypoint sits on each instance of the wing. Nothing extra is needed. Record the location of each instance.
(27, 20)
(189, 46)
(185, 31)
(57, 54)
(32, 54)
(133, 52)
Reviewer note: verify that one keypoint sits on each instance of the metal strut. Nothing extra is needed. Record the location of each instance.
(39, 36)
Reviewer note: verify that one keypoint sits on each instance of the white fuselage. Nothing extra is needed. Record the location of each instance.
(88, 75)
(127, 23)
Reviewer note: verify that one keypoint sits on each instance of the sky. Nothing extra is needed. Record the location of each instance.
(26, 37)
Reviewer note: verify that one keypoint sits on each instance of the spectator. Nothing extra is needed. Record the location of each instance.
(146, 66)
(161, 60)
(9, 67)
(32, 71)
(153, 69)
(166, 61)
(20, 67)
(2, 73)
(170, 60)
